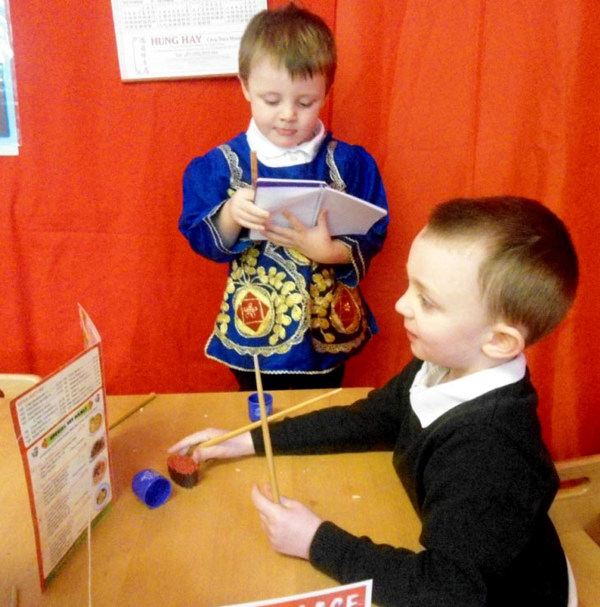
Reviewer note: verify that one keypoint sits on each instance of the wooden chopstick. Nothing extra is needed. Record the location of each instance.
(219, 439)
(253, 167)
(265, 432)
(127, 415)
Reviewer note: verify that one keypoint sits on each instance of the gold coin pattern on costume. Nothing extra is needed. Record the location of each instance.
(322, 296)
(264, 301)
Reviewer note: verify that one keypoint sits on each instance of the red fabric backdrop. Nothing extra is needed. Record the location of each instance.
(453, 98)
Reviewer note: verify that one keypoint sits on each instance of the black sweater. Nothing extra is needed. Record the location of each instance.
(481, 481)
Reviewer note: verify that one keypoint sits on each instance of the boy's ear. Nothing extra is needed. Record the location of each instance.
(505, 342)
(244, 89)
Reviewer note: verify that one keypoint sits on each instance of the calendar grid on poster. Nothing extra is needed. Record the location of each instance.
(162, 39)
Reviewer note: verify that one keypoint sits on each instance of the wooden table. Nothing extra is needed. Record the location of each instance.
(205, 547)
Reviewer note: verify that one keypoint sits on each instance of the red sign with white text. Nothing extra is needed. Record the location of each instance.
(351, 595)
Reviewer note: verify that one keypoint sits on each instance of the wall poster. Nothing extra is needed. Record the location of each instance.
(158, 39)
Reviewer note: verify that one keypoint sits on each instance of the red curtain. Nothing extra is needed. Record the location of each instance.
(453, 98)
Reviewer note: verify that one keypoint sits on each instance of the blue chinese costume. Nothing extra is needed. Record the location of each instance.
(298, 315)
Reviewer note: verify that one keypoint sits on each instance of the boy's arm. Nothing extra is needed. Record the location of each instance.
(205, 192)
(368, 424)
(483, 503)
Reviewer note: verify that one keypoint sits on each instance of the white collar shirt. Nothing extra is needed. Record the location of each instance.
(430, 399)
(272, 155)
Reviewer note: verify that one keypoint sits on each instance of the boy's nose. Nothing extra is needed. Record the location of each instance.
(402, 306)
(288, 112)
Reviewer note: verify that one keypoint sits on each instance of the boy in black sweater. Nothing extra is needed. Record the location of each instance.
(486, 278)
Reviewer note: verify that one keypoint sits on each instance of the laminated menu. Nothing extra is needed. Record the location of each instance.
(62, 431)
(305, 199)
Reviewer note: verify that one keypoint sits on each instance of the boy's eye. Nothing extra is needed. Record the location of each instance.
(305, 103)
(425, 303)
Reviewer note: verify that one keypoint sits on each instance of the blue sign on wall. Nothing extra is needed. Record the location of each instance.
(9, 131)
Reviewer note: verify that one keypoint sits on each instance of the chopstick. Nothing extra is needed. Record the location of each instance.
(253, 167)
(219, 439)
(127, 415)
(265, 432)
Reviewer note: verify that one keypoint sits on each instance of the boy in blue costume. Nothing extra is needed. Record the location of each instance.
(486, 279)
(293, 299)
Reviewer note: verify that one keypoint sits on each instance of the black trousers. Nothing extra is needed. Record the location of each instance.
(290, 381)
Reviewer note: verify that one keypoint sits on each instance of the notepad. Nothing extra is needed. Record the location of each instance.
(305, 199)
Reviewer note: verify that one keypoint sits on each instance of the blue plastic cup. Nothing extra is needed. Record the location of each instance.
(152, 488)
(254, 405)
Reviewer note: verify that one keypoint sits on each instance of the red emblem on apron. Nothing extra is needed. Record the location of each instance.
(252, 311)
(345, 309)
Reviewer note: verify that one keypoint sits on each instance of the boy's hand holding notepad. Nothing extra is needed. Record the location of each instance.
(305, 199)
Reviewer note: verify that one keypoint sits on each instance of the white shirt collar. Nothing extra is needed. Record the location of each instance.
(430, 399)
(274, 156)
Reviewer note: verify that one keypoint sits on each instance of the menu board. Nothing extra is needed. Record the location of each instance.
(62, 431)
(180, 38)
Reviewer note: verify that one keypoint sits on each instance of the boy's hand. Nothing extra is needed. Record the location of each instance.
(290, 526)
(238, 446)
(315, 243)
(242, 210)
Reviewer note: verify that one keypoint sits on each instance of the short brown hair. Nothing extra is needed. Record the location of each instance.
(292, 37)
(529, 277)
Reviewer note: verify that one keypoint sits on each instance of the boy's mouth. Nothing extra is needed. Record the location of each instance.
(285, 132)
(411, 336)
